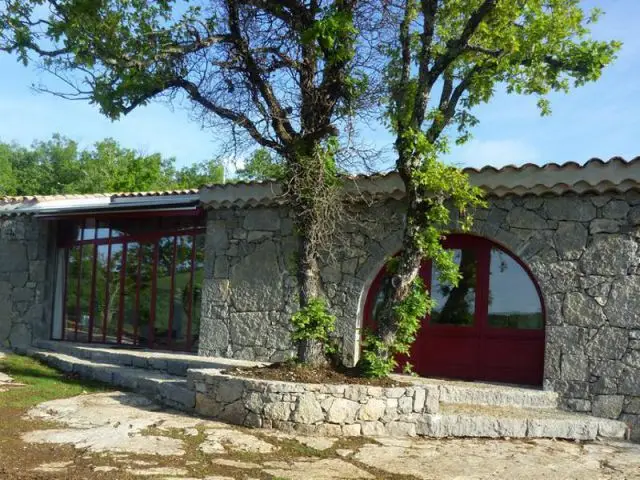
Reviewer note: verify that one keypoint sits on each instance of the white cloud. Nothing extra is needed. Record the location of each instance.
(497, 153)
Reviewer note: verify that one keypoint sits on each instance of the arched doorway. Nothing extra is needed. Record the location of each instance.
(490, 327)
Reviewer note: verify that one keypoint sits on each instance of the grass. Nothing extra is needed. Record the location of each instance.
(42, 383)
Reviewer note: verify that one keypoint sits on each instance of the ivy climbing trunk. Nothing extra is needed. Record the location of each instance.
(310, 351)
(307, 184)
(406, 270)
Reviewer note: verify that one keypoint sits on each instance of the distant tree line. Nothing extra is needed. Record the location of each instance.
(59, 166)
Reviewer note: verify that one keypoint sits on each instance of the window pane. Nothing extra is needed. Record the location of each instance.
(513, 298)
(182, 291)
(456, 305)
(163, 294)
(111, 293)
(197, 291)
(72, 289)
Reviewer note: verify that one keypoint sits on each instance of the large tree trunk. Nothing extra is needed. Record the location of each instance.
(310, 352)
(398, 289)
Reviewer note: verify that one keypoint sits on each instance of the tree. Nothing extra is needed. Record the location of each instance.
(262, 165)
(281, 73)
(444, 58)
(58, 166)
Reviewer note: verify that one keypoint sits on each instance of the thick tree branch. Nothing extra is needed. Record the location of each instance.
(278, 117)
(429, 10)
(236, 117)
(449, 99)
(457, 46)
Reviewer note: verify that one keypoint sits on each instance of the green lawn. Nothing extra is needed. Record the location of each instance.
(42, 383)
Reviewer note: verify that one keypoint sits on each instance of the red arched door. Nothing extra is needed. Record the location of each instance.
(490, 327)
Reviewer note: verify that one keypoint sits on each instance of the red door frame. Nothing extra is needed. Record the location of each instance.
(150, 238)
(436, 341)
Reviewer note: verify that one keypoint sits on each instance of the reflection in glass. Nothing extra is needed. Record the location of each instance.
(456, 305)
(148, 279)
(182, 290)
(513, 298)
(163, 291)
(197, 290)
(71, 314)
(131, 299)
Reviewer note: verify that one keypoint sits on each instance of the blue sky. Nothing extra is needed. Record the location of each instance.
(598, 120)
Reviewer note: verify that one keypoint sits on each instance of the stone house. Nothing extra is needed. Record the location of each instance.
(550, 294)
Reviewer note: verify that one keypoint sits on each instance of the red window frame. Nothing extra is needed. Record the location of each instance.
(435, 341)
(153, 237)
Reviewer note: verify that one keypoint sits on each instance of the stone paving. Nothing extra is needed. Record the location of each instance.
(128, 435)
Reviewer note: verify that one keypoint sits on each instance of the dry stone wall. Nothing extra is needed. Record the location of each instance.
(583, 250)
(313, 409)
(26, 268)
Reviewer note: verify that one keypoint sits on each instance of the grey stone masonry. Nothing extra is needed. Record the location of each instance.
(348, 410)
(249, 290)
(27, 262)
(582, 249)
(352, 410)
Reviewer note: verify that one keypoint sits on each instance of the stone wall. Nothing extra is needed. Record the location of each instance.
(352, 410)
(313, 409)
(250, 293)
(583, 250)
(27, 262)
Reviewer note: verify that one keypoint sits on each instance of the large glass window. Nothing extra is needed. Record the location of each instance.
(495, 291)
(513, 299)
(134, 281)
(456, 305)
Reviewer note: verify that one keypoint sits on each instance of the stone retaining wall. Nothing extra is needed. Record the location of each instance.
(27, 262)
(332, 410)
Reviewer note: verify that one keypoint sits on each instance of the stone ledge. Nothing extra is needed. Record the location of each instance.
(319, 409)
(353, 410)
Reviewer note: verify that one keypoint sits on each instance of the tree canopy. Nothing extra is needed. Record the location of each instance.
(58, 166)
(444, 59)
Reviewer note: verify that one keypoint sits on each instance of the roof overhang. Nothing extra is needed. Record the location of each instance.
(595, 176)
(99, 204)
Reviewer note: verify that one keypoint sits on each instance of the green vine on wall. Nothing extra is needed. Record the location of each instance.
(315, 323)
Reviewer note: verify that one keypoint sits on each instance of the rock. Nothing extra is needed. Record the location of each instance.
(575, 367)
(532, 460)
(522, 218)
(278, 411)
(608, 343)
(401, 429)
(569, 208)
(603, 225)
(256, 282)
(155, 471)
(219, 439)
(570, 239)
(624, 302)
(262, 219)
(342, 411)
(373, 410)
(234, 413)
(581, 310)
(230, 390)
(609, 255)
(615, 209)
(226, 462)
(419, 398)
(607, 406)
(54, 467)
(324, 469)
(13, 257)
(307, 410)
